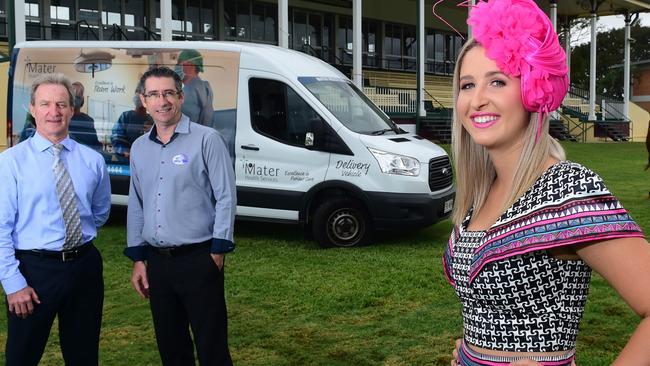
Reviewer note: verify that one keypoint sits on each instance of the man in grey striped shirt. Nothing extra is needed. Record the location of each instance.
(180, 221)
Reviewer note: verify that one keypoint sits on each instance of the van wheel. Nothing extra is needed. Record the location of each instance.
(341, 222)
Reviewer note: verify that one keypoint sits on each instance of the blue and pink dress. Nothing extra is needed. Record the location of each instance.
(516, 297)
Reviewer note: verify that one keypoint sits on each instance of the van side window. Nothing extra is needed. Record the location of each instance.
(279, 112)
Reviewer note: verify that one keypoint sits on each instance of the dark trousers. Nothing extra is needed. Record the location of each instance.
(73, 291)
(186, 291)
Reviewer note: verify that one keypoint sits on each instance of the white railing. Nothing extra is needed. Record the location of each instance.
(613, 110)
(392, 100)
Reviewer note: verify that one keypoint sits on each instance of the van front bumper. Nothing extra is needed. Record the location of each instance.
(410, 210)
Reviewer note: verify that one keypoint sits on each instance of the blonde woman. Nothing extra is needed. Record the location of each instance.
(529, 226)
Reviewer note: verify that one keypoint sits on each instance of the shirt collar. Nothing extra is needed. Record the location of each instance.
(182, 127)
(42, 144)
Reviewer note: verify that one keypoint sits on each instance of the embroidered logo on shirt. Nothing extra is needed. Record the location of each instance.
(180, 159)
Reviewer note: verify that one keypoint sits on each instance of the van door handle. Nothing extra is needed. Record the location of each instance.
(250, 147)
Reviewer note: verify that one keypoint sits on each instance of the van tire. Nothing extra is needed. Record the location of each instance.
(341, 222)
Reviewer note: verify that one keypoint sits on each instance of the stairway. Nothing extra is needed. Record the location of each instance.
(559, 131)
(615, 130)
(436, 126)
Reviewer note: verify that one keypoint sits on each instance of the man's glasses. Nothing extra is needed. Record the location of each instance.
(167, 94)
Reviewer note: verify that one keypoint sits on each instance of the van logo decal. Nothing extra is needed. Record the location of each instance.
(298, 176)
(111, 87)
(180, 159)
(36, 68)
(444, 171)
(352, 168)
(261, 173)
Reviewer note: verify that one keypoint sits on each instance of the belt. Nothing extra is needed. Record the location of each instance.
(62, 255)
(181, 249)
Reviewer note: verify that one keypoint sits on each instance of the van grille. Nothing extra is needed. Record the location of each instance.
(440, 173)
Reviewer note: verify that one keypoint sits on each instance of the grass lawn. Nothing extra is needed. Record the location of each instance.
(291, 303)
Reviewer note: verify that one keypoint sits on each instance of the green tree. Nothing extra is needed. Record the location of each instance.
(610, 51)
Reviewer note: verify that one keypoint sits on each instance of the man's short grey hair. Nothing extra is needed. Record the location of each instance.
(52, 79)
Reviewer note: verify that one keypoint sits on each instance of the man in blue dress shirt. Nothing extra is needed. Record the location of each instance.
(54, 193)
(180, 224)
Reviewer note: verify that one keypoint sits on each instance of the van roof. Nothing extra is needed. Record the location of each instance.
(252, 55)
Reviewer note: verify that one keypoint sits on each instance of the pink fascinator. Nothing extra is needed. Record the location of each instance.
(519, 37)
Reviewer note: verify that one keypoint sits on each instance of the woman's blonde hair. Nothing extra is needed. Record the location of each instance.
(474, 169)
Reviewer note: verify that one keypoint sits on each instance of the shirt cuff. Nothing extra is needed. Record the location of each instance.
(137, 253)
(220, 246)
(14, 283)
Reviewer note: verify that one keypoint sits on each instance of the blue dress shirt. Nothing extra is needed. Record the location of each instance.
(30, 213)
(182, 192)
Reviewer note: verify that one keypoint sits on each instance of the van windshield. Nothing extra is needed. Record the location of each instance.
(350, 106)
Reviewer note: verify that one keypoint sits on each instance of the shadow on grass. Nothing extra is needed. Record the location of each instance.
(296, 235)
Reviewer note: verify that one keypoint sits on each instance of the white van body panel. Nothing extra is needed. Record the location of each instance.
(263, 163)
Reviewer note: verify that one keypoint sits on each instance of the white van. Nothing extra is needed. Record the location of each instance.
(307, 146)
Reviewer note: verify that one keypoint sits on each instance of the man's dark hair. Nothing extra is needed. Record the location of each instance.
(160, 72)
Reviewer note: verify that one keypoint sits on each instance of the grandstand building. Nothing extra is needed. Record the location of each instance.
(413, 90)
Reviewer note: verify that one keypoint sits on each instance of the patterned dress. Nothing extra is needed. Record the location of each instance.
(515, 296)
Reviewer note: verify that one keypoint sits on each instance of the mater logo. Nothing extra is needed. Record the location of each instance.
(260, 172)
(35, 68)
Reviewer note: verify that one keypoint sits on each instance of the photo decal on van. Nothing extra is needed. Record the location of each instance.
(108, 113)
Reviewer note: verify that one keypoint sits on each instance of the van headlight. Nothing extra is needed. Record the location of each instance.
(390, 163)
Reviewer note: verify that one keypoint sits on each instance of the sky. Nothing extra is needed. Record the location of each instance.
(611, 22)
(618, 21)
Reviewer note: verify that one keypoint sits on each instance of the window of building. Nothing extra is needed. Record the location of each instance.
(344, 40)
(264, 27)
(61, 10)
(243, 19)
(409, 56)
(306, 32)
(31, 10)
(89, 12)
(371, 54)
(134, 20)
(134, 11)
(393, 46)
(246, 20)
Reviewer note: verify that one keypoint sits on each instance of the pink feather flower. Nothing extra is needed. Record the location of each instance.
(519, 37)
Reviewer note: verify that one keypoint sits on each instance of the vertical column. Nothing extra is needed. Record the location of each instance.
(567, 45)
(335, 42)
(554, 13)
(626, 67)
(357, 46)
(553, 16)
(421, 59)
(151, 17)
(221, 23)
(100, 21)
(283, 23)
(592, 64)
(471, 3)
(165, 20)
(19, 20)
(46, 19)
